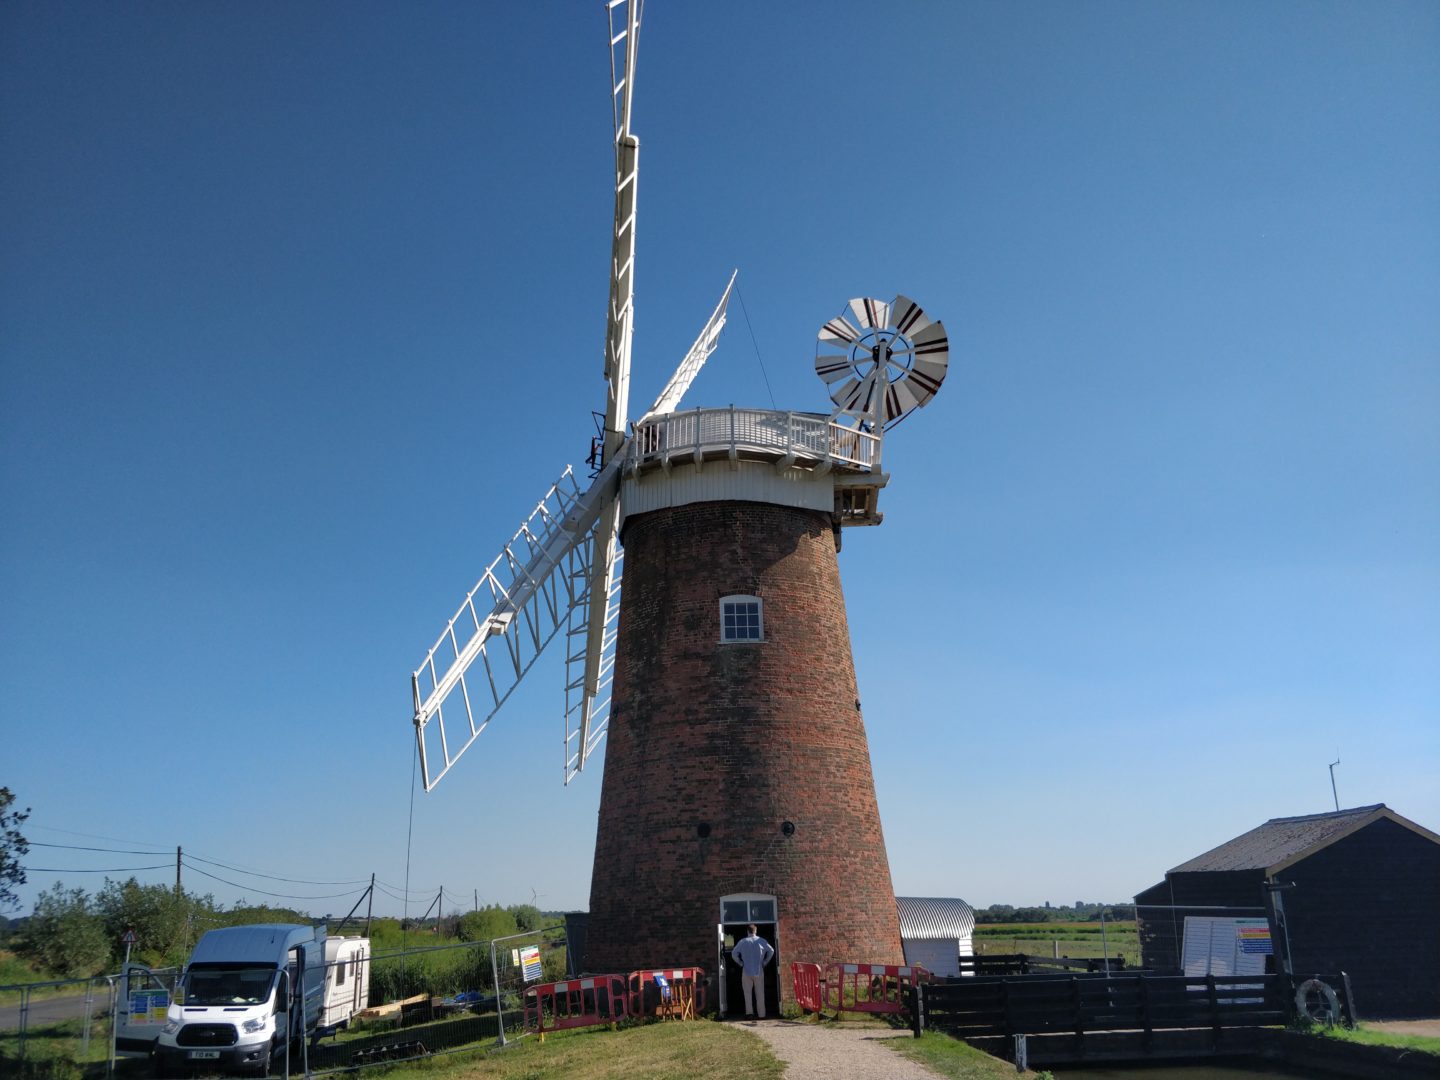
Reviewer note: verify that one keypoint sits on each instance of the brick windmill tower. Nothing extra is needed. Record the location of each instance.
(737, 783)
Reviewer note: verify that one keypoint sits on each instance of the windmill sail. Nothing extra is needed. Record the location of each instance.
(564, 559)
(620, 323)
(587, 715)
(562, 569)
(521, 601)
(619, 333)
(695, 359)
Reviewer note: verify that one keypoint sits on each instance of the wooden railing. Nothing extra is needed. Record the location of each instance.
(1025, 964)
(1036, 1004)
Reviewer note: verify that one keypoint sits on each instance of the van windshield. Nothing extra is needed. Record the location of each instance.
(228, 984)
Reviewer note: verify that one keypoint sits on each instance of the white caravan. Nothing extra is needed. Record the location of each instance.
(247, 994)
(347, 980)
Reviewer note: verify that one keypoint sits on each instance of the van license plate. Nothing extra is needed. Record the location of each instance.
(203, 1055)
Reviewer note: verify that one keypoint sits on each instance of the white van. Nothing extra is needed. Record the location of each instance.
(248, 993)
(347, 980)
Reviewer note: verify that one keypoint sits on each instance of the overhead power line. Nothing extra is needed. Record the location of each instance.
(77, 847)
(271, 877)
(110, 870)
(412, 891)
(186, 860)
(401, 897)
(88, 836)
(262, 892)
(396, 892)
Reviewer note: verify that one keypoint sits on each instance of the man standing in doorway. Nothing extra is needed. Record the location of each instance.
(752, 953)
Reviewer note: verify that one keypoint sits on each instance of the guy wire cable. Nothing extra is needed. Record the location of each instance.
(755, 345)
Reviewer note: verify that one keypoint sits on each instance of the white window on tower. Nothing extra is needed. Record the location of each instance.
(741, 619)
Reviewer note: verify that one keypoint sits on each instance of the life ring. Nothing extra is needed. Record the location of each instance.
(1315, 1000)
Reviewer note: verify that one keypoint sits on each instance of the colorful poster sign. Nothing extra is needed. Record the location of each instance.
(149, 1006)
(1225, 946)
(530, 962)
(1255, 940)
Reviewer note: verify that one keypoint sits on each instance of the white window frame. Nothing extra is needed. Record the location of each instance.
(740, 598)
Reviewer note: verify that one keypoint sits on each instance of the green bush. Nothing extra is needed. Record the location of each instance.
(487, 924)
(66, 934)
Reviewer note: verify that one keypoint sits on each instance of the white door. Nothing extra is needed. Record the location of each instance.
(722, 961)
(143, 998)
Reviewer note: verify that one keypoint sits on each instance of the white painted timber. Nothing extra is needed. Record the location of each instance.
(744, 481)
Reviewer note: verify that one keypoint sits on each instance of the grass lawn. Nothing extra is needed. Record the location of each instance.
(951, 1057)
(652, 1052)
(674, 1052)
(52, 1052)
(1379, 1037)
(16, 972)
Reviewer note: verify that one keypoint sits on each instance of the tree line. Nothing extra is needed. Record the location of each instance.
(1079, 912)
(73, 934)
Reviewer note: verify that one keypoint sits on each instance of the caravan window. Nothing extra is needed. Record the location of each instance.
(339, 972)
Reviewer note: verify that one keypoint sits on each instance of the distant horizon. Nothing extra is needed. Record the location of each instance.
(14, 920)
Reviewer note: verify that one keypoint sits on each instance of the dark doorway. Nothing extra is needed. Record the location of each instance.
(734, 1000)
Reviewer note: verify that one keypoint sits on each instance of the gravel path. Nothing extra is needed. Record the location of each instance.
(853, 1051)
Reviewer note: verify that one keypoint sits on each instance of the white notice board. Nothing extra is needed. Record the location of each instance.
(1218, 946)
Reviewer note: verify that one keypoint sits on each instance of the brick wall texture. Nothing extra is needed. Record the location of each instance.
(739, 737)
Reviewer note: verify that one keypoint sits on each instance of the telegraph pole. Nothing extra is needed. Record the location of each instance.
(177, 871)
(370, 905)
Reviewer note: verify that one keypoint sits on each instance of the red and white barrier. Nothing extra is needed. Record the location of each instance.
(871, 988)
(574, 1003)
(806, 980)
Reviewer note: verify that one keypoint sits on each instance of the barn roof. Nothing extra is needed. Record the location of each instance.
(934, 917)
(1281, 841)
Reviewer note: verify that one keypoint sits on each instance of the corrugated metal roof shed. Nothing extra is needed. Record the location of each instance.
(935, 917)
(1280, 840)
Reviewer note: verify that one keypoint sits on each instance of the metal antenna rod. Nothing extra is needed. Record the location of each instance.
(1333, 793)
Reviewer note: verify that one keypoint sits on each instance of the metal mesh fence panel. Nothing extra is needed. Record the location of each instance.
(442, 1000)
(60, 1026)
(394, 1006)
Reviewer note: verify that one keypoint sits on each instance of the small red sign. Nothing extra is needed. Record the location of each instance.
(128, 938)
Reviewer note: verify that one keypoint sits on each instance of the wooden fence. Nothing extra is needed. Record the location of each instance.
(1080, 1003)
(1024, 964)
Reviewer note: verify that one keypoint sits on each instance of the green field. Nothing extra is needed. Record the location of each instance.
(1072, 939)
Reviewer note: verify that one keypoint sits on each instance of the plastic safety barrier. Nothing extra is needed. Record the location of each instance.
(871, 988)
(806, 980)
(573, 1003)
(672, 993)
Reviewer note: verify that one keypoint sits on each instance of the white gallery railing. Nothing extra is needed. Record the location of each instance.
(731, 432)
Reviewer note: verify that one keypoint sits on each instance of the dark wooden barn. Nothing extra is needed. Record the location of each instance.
(1355, 891)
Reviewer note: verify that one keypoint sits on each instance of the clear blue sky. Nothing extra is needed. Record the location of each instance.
(302, 308)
